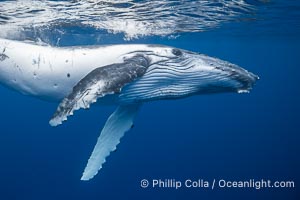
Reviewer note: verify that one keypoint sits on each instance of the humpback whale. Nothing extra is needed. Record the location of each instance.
(123, 75)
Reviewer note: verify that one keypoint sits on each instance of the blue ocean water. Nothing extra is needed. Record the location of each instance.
(220, 136)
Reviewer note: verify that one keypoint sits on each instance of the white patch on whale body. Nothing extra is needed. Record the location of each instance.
(42, 71)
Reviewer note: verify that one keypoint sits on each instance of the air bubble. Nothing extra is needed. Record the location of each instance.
(243, 91)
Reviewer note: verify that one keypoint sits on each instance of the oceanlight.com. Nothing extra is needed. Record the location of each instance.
(215, 184)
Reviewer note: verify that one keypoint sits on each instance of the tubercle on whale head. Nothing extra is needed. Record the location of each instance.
(223, 76)
(248, 85)
(246, 79)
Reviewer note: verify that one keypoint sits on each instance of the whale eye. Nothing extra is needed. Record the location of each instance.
(176, 52)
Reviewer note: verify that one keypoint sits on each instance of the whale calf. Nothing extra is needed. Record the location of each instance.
(124, 75)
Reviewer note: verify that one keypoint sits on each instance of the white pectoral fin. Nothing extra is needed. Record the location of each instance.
(120, 121)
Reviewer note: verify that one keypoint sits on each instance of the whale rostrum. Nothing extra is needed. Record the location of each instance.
(123, 75)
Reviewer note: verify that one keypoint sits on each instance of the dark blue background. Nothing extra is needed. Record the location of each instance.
(229, 136)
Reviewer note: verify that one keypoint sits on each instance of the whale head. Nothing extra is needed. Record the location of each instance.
(176, 73)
